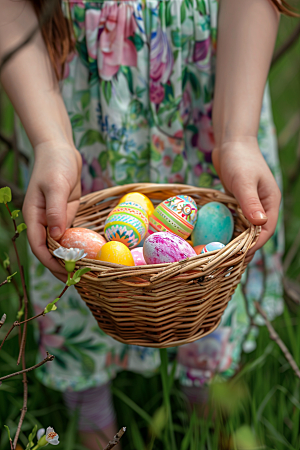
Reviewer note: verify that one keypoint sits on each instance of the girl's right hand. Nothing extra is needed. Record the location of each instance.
(52, 199)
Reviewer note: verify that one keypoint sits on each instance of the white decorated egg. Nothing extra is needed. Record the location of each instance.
(177, 215)
(165, 247)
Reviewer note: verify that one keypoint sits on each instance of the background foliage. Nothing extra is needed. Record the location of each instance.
(260, 408)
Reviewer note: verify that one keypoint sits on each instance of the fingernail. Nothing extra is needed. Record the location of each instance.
(55, 232)
(259, 215)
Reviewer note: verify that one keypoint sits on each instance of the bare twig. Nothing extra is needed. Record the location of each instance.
(23, 340)
(293, 250)
(7, 334)
(286, 45)
(25, 399)
(274, 336)
(3, 319)
(115, 440)
(29, 369)
(3, 283)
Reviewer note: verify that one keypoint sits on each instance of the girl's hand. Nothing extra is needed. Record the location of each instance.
(244, 173)
(52, 198)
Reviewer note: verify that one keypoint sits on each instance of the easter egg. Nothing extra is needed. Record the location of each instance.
(88, 240)
(138, 256)
(139, 198)
(165, 247)
(214, 224)
(198, 249)
(126, 223)
(117, 253)
(212, 246)
(177, 215)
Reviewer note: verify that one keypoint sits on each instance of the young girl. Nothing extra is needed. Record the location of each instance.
(144, 98)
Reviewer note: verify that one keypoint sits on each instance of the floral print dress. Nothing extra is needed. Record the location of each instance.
(139, 93)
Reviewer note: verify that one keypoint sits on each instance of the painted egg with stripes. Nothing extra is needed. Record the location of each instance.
(212, 246)
(126, 223)
(177, 215)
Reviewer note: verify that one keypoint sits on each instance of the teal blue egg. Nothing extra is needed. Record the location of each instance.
(214, 224)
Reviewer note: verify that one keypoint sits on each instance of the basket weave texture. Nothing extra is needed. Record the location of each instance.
(161, 305)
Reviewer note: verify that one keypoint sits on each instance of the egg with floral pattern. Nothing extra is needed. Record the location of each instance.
(165, 247)
(126, 223)
(177, 215)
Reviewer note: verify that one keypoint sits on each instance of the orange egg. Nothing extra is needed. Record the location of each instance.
(198, 249)
(117, 253)
(90, 241)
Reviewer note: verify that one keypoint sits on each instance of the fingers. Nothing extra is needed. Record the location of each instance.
(56, 209)
(248, 199)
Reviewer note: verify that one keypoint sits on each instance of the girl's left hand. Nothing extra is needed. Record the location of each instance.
(245, 174)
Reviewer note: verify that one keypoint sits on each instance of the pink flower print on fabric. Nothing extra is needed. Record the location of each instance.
(92, 178)
(158, 143)
(92, 21)
(177, 142)
(201, 52)
(161, 64)
(115, 48)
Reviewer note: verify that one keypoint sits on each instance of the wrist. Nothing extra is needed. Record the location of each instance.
(224, 142)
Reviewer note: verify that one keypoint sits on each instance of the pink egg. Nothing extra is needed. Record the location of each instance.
(90, 241)
(165, 247)
(137, 254)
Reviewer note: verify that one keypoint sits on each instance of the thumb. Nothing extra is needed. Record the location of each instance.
(56, 211)
(249, 201)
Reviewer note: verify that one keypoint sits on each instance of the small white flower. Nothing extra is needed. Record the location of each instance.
(51, 436)
(69, 254)
(40, 433)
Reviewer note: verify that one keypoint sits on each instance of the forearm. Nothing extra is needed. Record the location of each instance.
(29, 80)
(246, 37)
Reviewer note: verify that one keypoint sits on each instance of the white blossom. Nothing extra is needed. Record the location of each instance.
(51, 436)
(40, 433)
(69, 254)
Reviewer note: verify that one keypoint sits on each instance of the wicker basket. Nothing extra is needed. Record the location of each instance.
(161, 305)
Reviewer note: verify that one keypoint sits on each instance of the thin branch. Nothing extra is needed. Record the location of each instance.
(29, 369)
(115, 440)
(291, 40)
(3, 283)
(23, 340)
(293, 250)
(25, 399)
(274, 336)
(7, 334)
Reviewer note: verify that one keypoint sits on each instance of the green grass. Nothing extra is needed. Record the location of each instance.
(259, 408)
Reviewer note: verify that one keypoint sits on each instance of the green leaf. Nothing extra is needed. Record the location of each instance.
(177, 164)
(8, 432)
(15, 214)
(79, 13)
(6, 262)
(205, 180)
(184, 77)
(168, 16)
(137, 40)
(106, 89)
(90, 137)
(140, 91)
(128, 74)
(159, 421)
(182, 12)
(5, 195)
(51, 306)
(32, 436)
(21, 311)
(103, 159)
(77, 121)
(85, 99)
(21, 227)
(10, 276)
(81, 272)
(195, 84)
(176, 38)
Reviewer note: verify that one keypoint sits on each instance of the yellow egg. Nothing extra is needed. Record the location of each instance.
(141, 199)
(115, 252)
